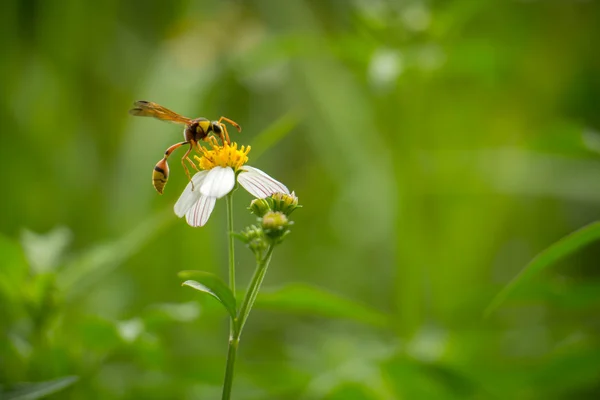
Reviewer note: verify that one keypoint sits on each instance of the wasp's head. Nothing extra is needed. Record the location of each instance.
(216, 127)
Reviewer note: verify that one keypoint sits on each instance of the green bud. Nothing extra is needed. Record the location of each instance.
(254, 238)
(283, 202)
(260, 207)
(286, 203)
(275, 225)
(272, 213)
(274, 220)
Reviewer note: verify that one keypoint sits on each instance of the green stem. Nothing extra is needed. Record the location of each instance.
(247, 303)
(229, 201)
(231, 355)
(233, 341)
(253, 288)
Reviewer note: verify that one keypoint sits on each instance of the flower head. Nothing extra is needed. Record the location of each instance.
(224, 156)
(275, 225)
(284, 202)
(274, 220)
(221, 167)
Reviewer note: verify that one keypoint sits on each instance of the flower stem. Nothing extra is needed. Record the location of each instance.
(246, 307)
(233, 341)
(231, 355)
(229, 201)
(253, 288)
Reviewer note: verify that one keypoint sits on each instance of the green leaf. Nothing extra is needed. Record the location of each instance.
(306, 299)
(546, 258)
(84, 270)
(214, 286)
(32, 391)
(274, 133)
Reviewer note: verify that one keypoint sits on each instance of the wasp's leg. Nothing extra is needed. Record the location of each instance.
(193, 146)
(213, 141)
(192, 164)
(235, 124)
(185, 168)
(224, 134)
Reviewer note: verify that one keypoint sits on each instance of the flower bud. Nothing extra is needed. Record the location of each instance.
(282, 202)
(275, 224)
(286, 203)
(274, 220)
(254, 237)
(260, 207)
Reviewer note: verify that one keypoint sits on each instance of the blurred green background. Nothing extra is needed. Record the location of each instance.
(436, 146)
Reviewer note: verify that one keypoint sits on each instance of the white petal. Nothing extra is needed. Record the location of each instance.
(259, 184)
(199, 213)
(218, 182)
(189, 196)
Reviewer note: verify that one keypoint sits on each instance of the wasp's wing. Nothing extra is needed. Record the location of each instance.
(144, 108)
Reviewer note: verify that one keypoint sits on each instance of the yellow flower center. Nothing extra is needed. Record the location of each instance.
(227, 155)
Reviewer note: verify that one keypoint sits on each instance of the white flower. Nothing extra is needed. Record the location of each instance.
(210, 185)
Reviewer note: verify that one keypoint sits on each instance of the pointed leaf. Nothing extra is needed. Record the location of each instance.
(213, 285)
(274, 133)
(546, 258)
(85, 269)
(306, 299)
(38, 390)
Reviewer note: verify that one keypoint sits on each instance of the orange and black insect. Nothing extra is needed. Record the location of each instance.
(196, 129)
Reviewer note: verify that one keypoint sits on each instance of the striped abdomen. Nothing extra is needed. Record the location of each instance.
(160, 175)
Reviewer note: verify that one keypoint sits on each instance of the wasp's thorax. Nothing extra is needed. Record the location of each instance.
(197, 130)
(201, 128)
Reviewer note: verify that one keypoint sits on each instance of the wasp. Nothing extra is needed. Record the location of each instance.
(196, 130)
